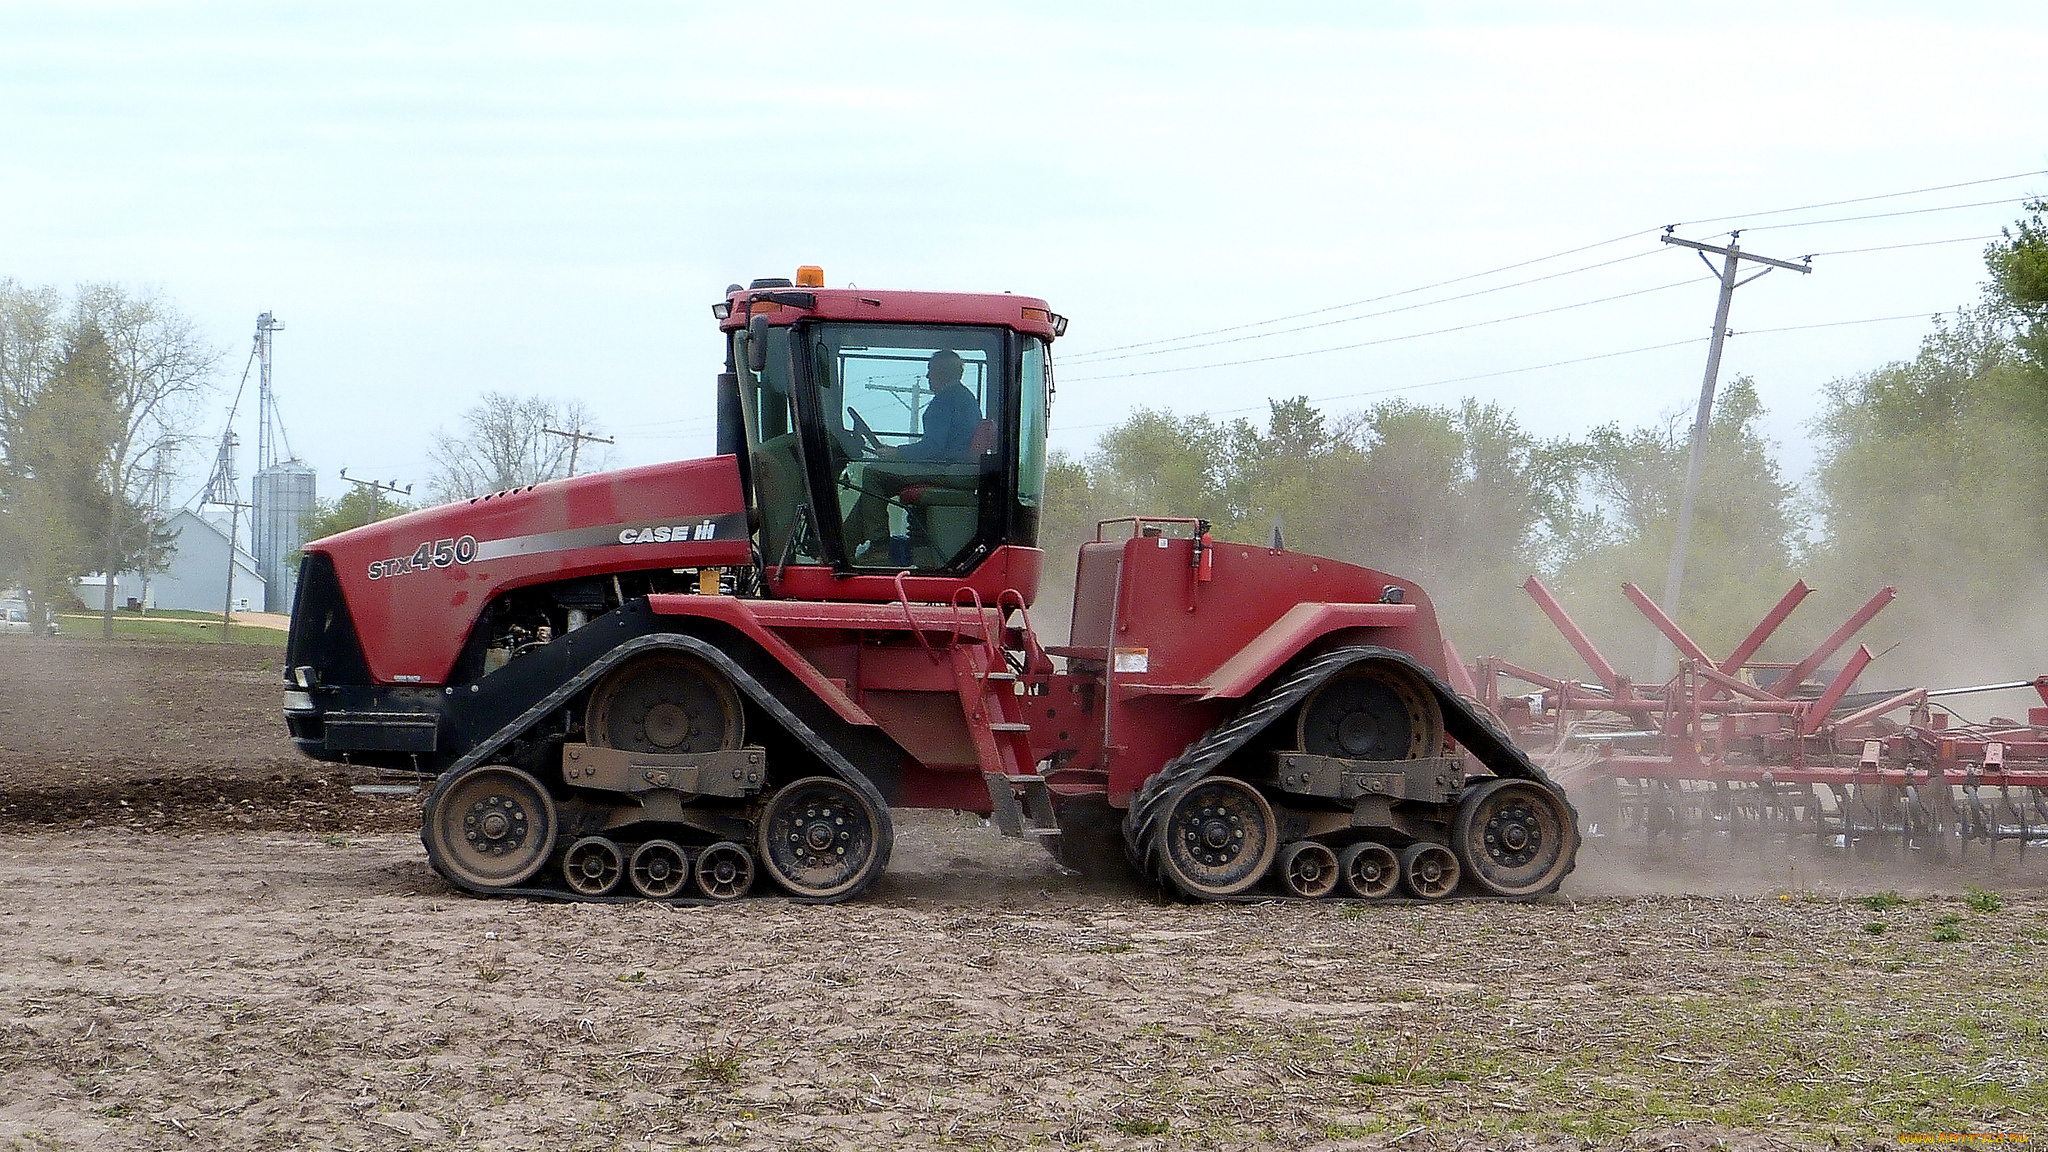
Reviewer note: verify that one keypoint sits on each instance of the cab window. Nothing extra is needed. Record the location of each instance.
(914, 417)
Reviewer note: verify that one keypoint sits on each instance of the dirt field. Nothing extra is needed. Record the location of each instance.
(206, 942)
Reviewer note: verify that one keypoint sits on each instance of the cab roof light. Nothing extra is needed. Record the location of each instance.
(1058, 322)
(810, 276)
(723, 308)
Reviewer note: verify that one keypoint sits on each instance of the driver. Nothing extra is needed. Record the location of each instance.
(950, 422)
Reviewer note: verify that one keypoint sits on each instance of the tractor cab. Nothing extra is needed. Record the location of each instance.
(886, 432)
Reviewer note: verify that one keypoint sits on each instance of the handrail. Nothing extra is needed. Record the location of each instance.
(979, 610)
(1034, 653)
(903, 598)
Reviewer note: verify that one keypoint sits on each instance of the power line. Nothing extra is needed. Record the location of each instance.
(1389, 339)
(1429, 383)
(576, 439)
(1889, 215)
(1538, 367)
(1916, 244)
(1862, 199)
(1370, 299)
(1101, 359)
(1474, 324)
(1102, 352)
(1469, 295)
(1848, 323)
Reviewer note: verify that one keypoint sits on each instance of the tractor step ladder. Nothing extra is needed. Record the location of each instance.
(1009, 816)
(1020, 804)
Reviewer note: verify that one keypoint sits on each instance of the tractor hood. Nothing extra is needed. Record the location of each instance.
(415, 584)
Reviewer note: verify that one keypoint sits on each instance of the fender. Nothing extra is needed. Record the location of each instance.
(1295, 630)
(762, 622)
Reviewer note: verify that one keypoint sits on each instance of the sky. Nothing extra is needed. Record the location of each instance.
(446, 200)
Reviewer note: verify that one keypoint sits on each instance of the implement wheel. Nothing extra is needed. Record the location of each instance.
(669, 702)
(1515, 837)
(1373, 710)
(821, 840)
(493, 827)
(1218, 839)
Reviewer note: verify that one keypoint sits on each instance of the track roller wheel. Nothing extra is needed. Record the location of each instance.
(493, 827)
(1369, 871)
(1515, 837)
(1430, 871)
(1308, 869)
(821, 840)
(592, 866)
(725, 871)
(659, 870)
(669, 702)
(1218, 839)
(1373, 710)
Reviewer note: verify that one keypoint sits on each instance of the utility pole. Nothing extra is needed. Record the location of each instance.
(576, 440)
(221, 489)
(377, 491)
(1674, 580)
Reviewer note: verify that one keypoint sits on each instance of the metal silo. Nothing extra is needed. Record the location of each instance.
(282, 500)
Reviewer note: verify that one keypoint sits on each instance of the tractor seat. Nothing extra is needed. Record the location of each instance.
(960, 491)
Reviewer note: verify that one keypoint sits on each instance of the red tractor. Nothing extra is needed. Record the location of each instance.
(665, 682)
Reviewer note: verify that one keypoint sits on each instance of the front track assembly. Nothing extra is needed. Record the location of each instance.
(496, 831)
(665, 802)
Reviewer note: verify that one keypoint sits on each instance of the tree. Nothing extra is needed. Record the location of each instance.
(2019, 281)
(357, 507)
(1933, 478)
(96, 400)
(158, 367)
(1461, 499)
(31, 320)
(54, 480)
(1745, 533)
(503, 446)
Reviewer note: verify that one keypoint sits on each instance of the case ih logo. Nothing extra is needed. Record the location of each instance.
(669, 533)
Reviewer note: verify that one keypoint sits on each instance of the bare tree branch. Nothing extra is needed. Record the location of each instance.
(503, 446)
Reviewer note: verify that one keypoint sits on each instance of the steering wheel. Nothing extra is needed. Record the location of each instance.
(861, 429)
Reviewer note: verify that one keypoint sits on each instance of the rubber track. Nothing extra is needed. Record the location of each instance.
(829, 758)
(1479, 733)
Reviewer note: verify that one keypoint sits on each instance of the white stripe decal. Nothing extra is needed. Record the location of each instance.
(675, 530)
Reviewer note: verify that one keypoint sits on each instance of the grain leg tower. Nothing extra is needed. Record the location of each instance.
(284, 488)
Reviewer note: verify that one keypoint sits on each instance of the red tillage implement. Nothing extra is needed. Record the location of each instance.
(1741, 746)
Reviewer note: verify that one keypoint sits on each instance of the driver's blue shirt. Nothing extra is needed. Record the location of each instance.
(949, 424)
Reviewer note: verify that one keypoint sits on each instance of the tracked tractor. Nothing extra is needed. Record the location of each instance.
(698, 680)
